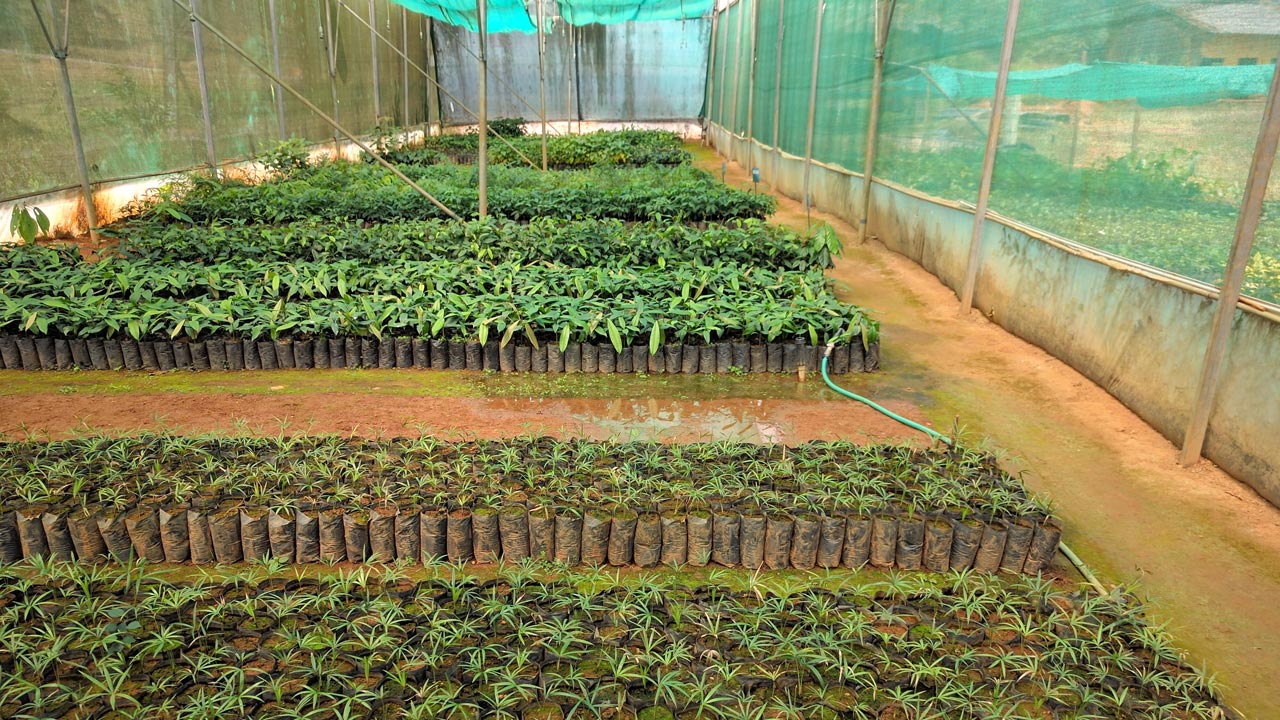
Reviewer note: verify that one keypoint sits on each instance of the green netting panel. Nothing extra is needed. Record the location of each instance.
(304, 66)
(844, 84)
(799, 21)
(1135, 153)
(502, 16)
(766, 63)
(33, 128)
(740, 73)
(608, 12)
(513, 74)
(725, 88)
(241, 99)
(715, 72)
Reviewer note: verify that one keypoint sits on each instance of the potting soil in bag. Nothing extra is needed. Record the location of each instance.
(439, 355)
(857, 541)
(884, 540)
(965, 539)
(283, 534)
(10, 544)
(804, 544)
(382, 535)
(542, 533)
(434, 528)
(215, 352)
(724, 357)
(595, 537)
(673, 357)
(285, 357)
(224, 531)
(459, 544)
(991, 550)
(199, 538)
(143, 525)
(84, 536)
(333, 540)
(320, 353)
(513, 525)
(524, 358)
(572, 355)
(726, 538)
(937, 545)
(408, 529)
(114, 535)
(58, 537)
(689, 358)
(622, 538)
(369, 353)
(777, 542)
(252, 356)
(350, 352)
(753, 530)
(698, 523)
(910, 543)
(486, 535)
(758, 359)
(568, 537)
(775, 357)
(304, 354)
(648, 545)
(254, 535)
(1017, 545)
(1044, 545)
(175, 534)
(830, 542)
(420, 354)
(491, 356)
(475, 356)
(706, 359)
(675, 539)
(337, 353)
(31, 533)
(555, 358)
(404, 353)
(608, 362)
(355, 533)
(590, 358)
(538, 360)
(306, 528)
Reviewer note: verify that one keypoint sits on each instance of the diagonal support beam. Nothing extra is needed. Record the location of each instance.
(310, 106)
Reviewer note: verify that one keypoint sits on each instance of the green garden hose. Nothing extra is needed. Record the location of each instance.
(1062, 546)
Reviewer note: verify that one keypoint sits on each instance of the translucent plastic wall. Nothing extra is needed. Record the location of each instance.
(1129, 126)
(133, 72)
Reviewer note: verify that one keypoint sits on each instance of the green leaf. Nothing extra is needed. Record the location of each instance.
(41, 219)
(564, 338)
(614, 336)
(655, 338)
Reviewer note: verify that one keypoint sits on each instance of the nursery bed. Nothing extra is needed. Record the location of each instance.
(308, 499)
(83, 641)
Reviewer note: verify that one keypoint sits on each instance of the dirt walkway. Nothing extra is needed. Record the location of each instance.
(1203, 548)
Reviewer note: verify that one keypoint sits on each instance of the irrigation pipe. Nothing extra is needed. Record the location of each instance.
(826, 377)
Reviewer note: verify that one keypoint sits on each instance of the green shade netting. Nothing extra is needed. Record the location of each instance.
(1153, 86)
(606, 12)
(504, 15)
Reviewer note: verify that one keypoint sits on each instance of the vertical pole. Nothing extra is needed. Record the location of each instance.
(82, 167)
(751, 84)
(989, 158)
(883, 20)
(711, 70)
(777, 97)
(813, 105)
(724, 71)
(404, 64)
(737, 75)
(373, 52)
(331, 55)
(434, 111)
(542, 80)
(205, 112)
(568, 80)
(1264, 155)
(275, 67)
(482, 23)
(1075, 121)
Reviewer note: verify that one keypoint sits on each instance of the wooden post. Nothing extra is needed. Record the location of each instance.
(482, 22)
(989, 158)
(813, 105)
(568, 80)
(883, 21)
(434, 112)
(542, 80)
(777, 97)
(206, 113)
(404, 66)
(1264, 155)
(373, 53)
(275, 67)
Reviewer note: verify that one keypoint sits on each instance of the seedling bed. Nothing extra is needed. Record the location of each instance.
(627, 148)
(314, 499)
(100, 643)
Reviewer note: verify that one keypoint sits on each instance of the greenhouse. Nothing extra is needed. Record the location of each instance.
(640, 359)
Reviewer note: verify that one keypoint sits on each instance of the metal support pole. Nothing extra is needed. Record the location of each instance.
(482, 21)
(73, 119)
(404, 65)
(711, 72)
(777, 97)
(737, 76)
(751, 84)
(373, 59)
(1264, 155)
(568, 81)
(275, 66)
(434, 111)
(989, 158)
(813, 105)
(206, 113)
(331, 55)
(883, 19)
(724, 71)
(542, 81)
(311, 106)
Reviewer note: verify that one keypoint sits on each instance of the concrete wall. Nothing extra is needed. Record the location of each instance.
(1138, 332)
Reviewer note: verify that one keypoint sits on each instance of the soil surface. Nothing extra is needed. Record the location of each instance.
(1203, 548)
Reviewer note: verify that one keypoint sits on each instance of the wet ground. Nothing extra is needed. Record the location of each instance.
(1203, 548)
